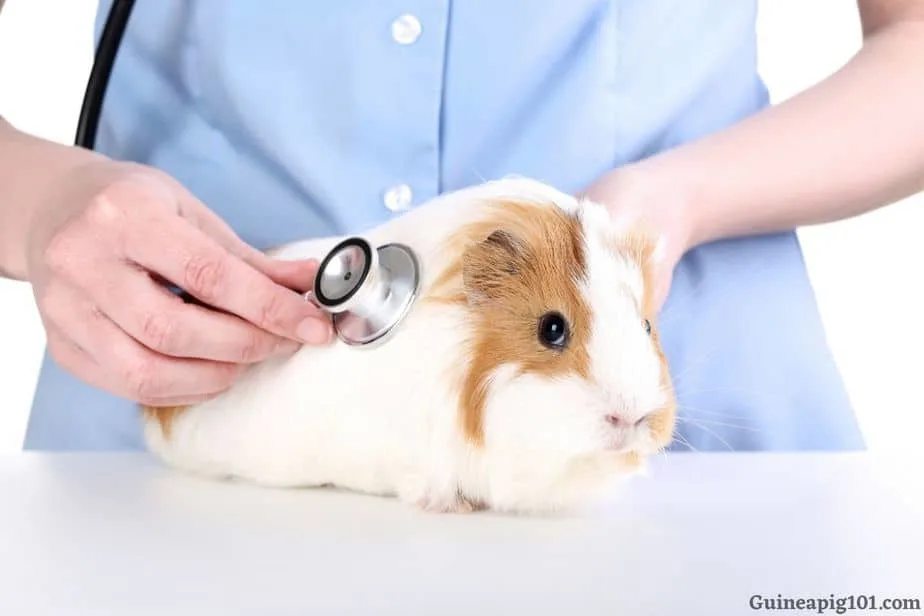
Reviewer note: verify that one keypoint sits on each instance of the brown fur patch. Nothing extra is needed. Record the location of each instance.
(518, 263)
(164, 415)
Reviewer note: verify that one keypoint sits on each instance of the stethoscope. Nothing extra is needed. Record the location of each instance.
(368, 291)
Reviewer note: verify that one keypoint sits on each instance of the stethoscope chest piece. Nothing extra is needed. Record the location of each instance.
(368, 291)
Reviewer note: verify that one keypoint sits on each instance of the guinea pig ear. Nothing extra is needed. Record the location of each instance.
(489, 264)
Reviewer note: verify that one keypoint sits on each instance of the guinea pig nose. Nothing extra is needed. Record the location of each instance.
(620, 421)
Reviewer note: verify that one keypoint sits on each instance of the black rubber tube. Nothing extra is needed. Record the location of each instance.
(106, 52)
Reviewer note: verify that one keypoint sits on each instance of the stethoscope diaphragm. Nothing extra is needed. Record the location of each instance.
(367, 291)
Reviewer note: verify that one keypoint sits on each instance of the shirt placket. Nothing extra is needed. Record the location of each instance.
(406, 100)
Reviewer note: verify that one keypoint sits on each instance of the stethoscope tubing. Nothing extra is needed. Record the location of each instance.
(98, 82)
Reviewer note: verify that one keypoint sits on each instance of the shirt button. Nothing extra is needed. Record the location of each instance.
(406, 29)
(398, 198)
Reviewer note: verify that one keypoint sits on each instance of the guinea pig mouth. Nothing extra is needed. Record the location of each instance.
(622, 438)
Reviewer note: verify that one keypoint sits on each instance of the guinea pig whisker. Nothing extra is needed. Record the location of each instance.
(699, 410)
(750, 393)
(681, 440)
(707, 430)
(721, 424)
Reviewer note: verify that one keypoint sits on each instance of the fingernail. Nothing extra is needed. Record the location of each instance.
(314, 331)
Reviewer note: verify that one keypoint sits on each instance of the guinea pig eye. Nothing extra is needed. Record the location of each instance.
(553, 330)
(647, 327)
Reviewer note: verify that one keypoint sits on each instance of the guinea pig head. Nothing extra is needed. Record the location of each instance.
(565, 379)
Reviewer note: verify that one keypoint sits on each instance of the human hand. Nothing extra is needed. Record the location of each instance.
(100, 249)
(635, 196)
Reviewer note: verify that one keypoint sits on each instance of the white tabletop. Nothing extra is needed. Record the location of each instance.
(701, 534)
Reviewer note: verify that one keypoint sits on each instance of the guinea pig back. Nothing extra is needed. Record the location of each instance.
(527, 377)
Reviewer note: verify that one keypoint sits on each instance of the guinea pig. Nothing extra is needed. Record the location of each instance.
(526, 378)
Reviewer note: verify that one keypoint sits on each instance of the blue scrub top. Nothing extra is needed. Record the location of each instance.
(294, 119)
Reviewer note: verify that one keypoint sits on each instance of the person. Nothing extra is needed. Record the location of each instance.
(231, 127)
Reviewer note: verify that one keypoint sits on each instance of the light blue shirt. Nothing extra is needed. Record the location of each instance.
(294, 119)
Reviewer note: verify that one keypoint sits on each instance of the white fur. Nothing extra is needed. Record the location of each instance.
(385, 420)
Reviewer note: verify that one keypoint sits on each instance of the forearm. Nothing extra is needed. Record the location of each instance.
(846, 146)
(28, 165)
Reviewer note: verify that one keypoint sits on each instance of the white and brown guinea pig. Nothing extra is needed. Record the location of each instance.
(527, 377)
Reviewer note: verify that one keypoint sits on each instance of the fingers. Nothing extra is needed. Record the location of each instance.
(77, 362)
(165, 324)
(165, 229)
(201, 266)
(92, 347)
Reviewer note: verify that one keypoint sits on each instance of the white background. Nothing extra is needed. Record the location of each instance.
(866, 271)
